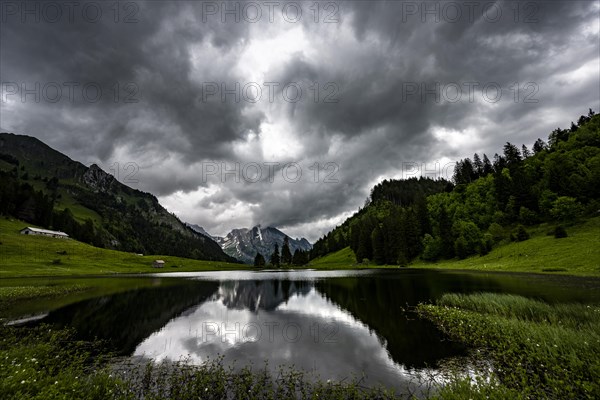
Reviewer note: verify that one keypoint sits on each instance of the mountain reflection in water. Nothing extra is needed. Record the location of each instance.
(292, 323)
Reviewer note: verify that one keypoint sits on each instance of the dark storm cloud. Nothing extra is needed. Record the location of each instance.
(152, 54)
(477, 50)
(374, 55)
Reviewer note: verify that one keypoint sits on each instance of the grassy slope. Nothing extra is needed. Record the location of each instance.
(80, 212)
(342, 259)
(66, 200)
(22, 255)
(578, 254)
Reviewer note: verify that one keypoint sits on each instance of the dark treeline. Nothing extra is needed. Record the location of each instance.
(490, 201)
(406, 192)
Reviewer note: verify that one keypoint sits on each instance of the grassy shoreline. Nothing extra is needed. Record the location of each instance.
(538, 350)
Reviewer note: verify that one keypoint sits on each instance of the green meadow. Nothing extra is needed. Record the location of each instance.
(24, 255)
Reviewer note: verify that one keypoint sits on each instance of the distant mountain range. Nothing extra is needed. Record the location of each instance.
(200, 230)
(244, 244)
(45, 187)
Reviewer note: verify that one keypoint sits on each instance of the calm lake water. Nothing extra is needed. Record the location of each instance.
(337, 324)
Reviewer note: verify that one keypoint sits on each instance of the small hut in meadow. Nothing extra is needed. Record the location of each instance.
(43, 232)
(158, 263)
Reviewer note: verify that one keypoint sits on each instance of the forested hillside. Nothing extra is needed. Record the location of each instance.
(488, 202)
(41, 186)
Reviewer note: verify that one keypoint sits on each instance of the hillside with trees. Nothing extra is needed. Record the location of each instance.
(44, 187)
(488, 203)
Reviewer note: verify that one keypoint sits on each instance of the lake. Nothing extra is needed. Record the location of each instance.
(335, 324)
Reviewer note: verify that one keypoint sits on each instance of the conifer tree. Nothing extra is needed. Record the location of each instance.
(511, 154)
(392, 236)
(365, 250)
(477, 165)
(259, 260)
(286, 254)
(275, 260)
(377, 242)
(487, 165)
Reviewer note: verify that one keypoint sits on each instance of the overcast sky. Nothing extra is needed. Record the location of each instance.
(218, 118)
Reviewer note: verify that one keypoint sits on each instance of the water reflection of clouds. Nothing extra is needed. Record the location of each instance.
(318, 306)
(307, 331)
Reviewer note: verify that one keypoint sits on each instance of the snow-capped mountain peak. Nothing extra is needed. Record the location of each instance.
(243, 243)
